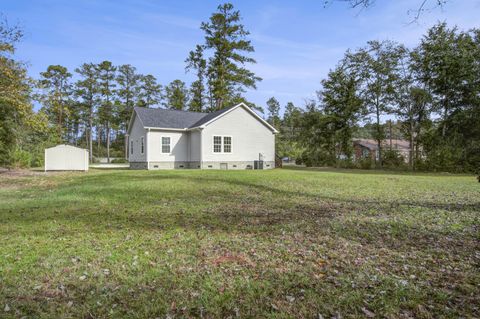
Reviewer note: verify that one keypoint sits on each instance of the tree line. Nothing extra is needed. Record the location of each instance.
(432, 90)
(97, 105)
(430, 95)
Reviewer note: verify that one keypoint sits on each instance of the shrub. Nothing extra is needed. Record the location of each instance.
(393, 159)
(365, 163)
(118, 161)
(20, 158)
(345, 163)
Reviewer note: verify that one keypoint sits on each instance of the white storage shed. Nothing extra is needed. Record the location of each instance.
(66, 158)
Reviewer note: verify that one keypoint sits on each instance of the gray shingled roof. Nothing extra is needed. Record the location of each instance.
(161, 118)
(168, 118)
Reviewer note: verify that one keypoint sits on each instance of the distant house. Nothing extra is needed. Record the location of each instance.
(232, 138)
(368, 148)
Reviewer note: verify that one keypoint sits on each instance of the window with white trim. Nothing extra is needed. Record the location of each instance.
(165, 144)
(131, 147)
(222, 144)
(142, 145)
(227, 144)
(217, 144)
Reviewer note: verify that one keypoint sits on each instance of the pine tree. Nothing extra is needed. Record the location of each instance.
(128, 93)
(196, 61)
(106, 75)
(226, 72)
(87, 90)
(150, 91)
(273, 107)
(56, 97)
(176, 95)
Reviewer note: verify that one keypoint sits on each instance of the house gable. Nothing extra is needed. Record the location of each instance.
(250, 138)
(212, 117)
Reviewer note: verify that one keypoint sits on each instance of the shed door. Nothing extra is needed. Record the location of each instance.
(223, 166)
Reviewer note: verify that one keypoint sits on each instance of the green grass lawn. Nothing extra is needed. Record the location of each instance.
(277, 244)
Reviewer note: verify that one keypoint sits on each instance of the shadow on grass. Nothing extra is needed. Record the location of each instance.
(374, 171)
(276, 191)
(205, 203)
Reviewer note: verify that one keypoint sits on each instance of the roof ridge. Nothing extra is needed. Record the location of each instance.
(171, 110)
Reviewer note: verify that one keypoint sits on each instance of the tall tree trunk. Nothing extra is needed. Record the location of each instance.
(86, 136)
(444, 126)
(99, 139)
(90, 137)
(108, 142)
(410, 153)
(379, 138)
(390, 133)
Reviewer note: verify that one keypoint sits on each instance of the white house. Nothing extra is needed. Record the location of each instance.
(232, 138)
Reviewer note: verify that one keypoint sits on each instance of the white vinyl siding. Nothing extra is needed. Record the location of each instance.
(179, 146)
(195, 142)
(250, 138)
(136, 133)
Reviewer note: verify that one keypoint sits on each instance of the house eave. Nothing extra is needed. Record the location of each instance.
(166, 129)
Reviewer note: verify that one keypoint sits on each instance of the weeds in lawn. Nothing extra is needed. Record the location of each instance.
(278, 243)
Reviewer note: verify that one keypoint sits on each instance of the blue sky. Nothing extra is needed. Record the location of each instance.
(296, 42)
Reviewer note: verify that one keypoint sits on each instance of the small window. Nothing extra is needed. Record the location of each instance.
(217, 144)
(227, 144)
(142, 145)
(165, 144)
(131, 147)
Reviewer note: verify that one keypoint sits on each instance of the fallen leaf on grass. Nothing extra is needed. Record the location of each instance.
(368, 313)
(290, 298)
(240, 259)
